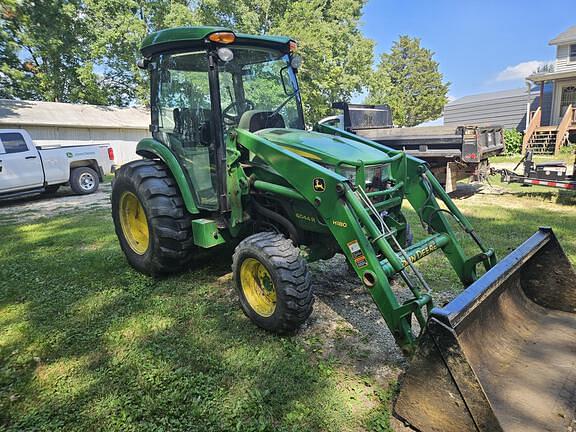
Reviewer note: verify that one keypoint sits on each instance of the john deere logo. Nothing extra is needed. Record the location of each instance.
(69, 154)
(319, 184)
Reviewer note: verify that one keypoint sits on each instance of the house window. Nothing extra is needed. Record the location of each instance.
(567, 98)
(573, 53)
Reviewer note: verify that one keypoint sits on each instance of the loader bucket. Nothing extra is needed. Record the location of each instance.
(502, 355)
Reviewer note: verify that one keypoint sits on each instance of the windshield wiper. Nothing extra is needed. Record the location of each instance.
(288, 99)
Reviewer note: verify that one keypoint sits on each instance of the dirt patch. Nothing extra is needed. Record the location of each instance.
(347, 326)
(64, 201)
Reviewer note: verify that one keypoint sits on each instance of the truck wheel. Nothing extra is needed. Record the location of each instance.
(151, 222)
(84, 180)
(273, 282)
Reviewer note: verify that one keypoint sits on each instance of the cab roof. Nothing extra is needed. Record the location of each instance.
(196, 37)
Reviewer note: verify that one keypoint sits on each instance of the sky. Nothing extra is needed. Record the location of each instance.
(481, 46)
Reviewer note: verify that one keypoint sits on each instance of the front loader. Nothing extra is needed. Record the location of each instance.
(230, 163)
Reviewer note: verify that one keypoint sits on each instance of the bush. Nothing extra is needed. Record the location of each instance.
(512, 141)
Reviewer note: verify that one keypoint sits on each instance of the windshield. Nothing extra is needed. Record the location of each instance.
(258, 90)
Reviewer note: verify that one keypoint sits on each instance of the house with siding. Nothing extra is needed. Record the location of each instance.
(552, 126)
(545, 109)
(508, 108)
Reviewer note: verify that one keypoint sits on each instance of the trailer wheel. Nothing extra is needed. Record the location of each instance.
(84, 180)
(151, 222)
(273, 282)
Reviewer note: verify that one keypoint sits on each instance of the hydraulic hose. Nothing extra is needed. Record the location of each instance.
(276, 217)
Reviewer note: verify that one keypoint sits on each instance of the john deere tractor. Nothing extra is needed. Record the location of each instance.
(231, 163)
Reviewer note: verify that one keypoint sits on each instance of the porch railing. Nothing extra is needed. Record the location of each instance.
(567, 122)
(534, 124)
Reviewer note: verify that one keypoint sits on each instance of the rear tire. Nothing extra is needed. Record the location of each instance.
(84, 180)
(273, 282)
(151, 221)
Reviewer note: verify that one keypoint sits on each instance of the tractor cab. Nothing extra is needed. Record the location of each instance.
(208, 81)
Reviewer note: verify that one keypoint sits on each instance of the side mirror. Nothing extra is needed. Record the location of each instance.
(286, 81)
(296, 62)
(143, 63)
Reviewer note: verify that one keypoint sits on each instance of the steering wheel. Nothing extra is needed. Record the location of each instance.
(240, 109)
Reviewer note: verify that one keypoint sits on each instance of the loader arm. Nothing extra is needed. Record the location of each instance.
(421, 191)
(351, 219)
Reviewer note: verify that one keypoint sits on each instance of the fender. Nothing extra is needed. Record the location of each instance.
(150, 148)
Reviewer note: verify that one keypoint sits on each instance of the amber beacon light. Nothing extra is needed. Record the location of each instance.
(222, 37)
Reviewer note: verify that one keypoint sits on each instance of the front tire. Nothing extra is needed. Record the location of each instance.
(273, 282)
(150, 219)
(84, 180)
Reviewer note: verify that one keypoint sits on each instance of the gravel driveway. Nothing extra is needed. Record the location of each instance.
(62, 202)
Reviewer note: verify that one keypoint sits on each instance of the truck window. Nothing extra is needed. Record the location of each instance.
(13, 142)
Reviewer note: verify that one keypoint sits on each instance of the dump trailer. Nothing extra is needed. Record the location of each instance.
(452, 153)
(231, 164)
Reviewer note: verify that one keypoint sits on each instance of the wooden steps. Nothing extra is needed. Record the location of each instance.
(543, 140)
(548, 139)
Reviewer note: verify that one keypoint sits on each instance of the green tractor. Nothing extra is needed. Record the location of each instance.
(231, 164)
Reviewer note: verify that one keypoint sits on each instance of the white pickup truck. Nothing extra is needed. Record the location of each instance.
(26, 169)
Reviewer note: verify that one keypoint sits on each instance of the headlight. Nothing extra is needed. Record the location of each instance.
(349, 173)
(376, 176)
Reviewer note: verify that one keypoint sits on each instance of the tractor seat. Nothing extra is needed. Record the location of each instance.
(255, 120)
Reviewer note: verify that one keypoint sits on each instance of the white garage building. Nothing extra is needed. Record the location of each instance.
(52, 123)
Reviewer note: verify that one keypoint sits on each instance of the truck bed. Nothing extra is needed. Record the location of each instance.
(445, 142)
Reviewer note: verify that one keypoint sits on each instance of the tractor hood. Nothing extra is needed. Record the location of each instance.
(327, 149)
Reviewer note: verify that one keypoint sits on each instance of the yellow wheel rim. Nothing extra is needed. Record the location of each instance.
(258, 287)
(134, 223)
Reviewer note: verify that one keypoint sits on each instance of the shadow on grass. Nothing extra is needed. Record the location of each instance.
(87, 343)
(558, 196)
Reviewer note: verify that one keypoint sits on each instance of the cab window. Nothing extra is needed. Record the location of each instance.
(184, 120)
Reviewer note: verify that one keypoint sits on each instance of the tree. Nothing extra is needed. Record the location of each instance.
(118, 28)
(337, 58)
(86, 50)
(249, 16)
(11, 78)
(408, 80)
(50, 39)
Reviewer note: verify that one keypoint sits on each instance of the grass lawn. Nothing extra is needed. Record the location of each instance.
(566, 155)
(86, 343)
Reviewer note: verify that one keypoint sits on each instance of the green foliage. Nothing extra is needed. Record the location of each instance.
(512, 141)
(11, 78)
(409, 81)
(379, 421)
(86, 50)
(51, 39)
(337, 58)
